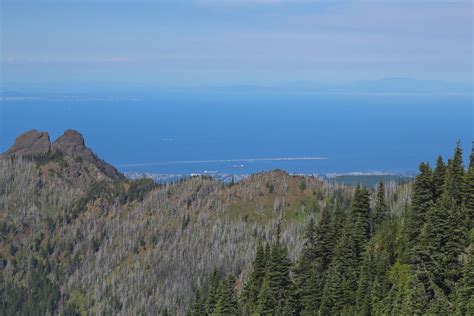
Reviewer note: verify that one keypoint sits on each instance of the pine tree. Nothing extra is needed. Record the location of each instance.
(454, 185)
(414, 298)
(381, 209)
(213, 295)
(325, 240)
(199, 306)
(439, 304)
(422, 201)
(227, 303)
(266, 300)
(360, 230)
(464, 298)
(364, 287)
(469, 196)
(341, 283)
(304, 268)
(277, 283)
(253, 286)
(439, 175)
(376, 298)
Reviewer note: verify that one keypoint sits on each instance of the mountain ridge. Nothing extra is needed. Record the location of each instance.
(97, 233)
(35, 143)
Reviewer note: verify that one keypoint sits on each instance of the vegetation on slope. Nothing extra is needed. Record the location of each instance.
(367, 260)
(76, 241)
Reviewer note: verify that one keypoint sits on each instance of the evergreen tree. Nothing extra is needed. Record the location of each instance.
(314, 260)
(414, 298)
(454, 186)
(464, 298)
(439, 304)
(359, 226)
(469, 196)
(422, 201)
(277, 283)
(227, 303)
(364, 286)
(304, 268)
(358, 262)
(253, 286)
(376, 298)
(340, 288)
(325, 239)
(214, 293)
(199, 306)
(381, 208)
(439, 174)
(266, 300)
(341, 284)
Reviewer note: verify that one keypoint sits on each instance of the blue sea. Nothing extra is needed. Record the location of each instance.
(184, 132)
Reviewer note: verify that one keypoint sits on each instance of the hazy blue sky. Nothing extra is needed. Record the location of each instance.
(235, 41)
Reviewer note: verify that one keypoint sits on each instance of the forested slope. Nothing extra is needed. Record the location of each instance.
(367, 259)
(78, 238)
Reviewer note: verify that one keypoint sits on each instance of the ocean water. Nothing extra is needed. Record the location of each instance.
(235, 133)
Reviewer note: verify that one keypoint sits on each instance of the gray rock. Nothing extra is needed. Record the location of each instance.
(31, 143)
(72, 143)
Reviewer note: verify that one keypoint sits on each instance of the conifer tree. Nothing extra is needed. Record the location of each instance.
(341, 283)
(360, 230)
(364, 286)
(414, 298)
(381, 208)
(266, 300)
(340, 288)
(227, 303)
(422, 201)
(277, 283)
(376, 298)
(311, 266)
(325, 240)
(439, 175)
(464, 298)
(213, 295)
(439, 304)
(199, 306)
(253, 286)
(469, 196)
(304, 268)
(454, 185)
(338, 221)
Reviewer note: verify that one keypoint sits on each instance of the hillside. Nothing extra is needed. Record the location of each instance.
(77, 237)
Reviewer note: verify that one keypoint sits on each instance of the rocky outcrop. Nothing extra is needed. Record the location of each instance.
(31, 143)
(72, 143)
(34, 143)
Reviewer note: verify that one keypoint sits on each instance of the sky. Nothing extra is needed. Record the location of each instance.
(226, 42)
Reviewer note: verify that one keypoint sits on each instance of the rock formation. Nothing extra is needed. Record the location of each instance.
(71, 143)
(31, 143)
